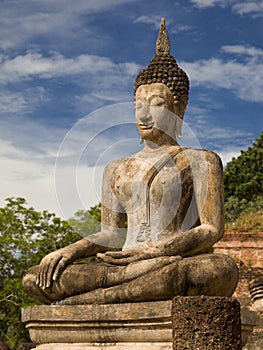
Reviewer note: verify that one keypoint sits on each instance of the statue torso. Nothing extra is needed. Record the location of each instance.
(158, 203)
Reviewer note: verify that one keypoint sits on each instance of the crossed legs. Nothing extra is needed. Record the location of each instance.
(154, 279)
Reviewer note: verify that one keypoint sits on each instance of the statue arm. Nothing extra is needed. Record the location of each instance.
(209, 189)
(109, 238)
(113, 215)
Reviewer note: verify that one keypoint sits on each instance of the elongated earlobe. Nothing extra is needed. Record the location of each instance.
(182, 104)
(179, 124)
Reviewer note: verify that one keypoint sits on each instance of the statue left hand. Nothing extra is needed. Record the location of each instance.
(131, 255)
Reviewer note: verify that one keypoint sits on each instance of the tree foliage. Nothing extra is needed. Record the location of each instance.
(26, 236)
(243, 182)
(86, 222)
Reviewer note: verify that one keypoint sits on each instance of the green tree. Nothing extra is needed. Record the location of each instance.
(26, 236)
(86, 222)
(243, 182)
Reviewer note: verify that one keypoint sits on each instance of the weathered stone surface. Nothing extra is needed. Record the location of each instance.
(205, 323)
(109, 326)
(106, 346)
(136, 322)
(248, 322)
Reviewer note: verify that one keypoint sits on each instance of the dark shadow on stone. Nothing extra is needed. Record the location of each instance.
(26, 346)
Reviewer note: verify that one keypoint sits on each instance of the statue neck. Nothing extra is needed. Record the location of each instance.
(168, 141)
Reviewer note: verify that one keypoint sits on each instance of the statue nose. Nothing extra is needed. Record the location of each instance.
(145, 113)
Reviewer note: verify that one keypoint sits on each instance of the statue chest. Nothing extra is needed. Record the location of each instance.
(137, 181)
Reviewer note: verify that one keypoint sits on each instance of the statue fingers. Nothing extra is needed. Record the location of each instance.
(41, 275)
(51, 271)
(128, 260)
(134, 258)
(105, 257)
(47, 267)
(117, 255)
(59, 268)
(110, 260)
(121, 254)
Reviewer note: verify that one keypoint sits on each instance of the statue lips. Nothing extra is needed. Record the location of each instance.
(146, 126)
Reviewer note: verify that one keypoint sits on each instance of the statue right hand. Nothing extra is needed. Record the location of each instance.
(52, 265)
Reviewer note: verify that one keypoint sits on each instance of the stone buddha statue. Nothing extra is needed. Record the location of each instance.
(170, 196)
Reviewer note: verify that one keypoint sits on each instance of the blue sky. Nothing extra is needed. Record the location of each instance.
(67, 71)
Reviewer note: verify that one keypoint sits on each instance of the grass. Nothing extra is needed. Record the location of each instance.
(250, 222)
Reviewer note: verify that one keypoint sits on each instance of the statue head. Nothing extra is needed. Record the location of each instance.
(164, 70)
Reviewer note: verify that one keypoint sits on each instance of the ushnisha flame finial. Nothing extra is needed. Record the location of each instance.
(163, 42)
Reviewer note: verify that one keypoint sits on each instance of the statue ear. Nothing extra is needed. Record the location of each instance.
(182, 104)
(183, 101)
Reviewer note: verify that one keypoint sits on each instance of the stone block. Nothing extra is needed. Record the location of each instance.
(107, 346)
(139, 326)
(112, 326)
(205, 323)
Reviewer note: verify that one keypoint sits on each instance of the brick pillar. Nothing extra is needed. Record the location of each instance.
(205, 323)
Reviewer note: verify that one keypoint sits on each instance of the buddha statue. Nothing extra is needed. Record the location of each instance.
(170, 196)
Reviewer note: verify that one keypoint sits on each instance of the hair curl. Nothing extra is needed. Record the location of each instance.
(164, 69)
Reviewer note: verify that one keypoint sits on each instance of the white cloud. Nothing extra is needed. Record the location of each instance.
(12, 102)
(22, 21)
(104, 79)
(209, 3)
(178, 28)
(227, 155)
(28, 158)
(245, 79)
(31, 174)
(203, 3)
(26, 164)
(225, 140)
(255, 8)
(35, 181)
(249, 7)
(36, 65)
(242, 50)
(154, 20)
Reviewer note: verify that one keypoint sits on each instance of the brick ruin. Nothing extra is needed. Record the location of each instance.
(247, 250)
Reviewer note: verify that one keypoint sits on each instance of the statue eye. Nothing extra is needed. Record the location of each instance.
(158, 102)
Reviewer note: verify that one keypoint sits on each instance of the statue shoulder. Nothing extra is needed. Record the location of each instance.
(115, 165)
(201, 156)
(213, 159)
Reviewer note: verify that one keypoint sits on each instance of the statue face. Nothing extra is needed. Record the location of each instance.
(155, 112)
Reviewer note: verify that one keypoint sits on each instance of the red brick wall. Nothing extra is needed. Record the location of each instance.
(247, 247)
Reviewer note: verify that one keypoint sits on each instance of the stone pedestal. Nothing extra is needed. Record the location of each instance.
(140, 326)
(115, 326)
(206, 323)
(106, 346)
